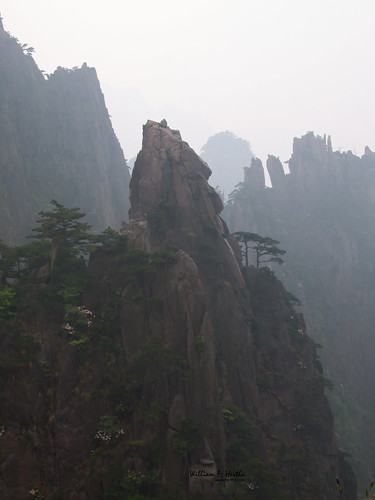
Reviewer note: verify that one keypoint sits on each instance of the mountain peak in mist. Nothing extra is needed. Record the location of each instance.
(227, 155)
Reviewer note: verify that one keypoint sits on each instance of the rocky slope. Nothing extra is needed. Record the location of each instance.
(323, 214)
(56, 142)
(193, 377)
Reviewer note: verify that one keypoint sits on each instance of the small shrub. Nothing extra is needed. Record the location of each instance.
(77, 320)
(180, 446)
(157, 217)
(189, 438)
(328, 384)
(199, 343)
(109, 429)
(7, 303)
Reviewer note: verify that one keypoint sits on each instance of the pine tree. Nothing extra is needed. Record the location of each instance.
(266, 248)
(69, 236)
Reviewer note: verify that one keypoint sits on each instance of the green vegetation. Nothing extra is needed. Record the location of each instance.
(199, 343)
(57, 260)
(50, 274)
(109, 238)
(327, 383)
(130, 485)
(238, 424)
(127, 484)
(62, 227)
(157, 218)
(48, 280)
(7, 303)
(152, 413)
(189, 438)
(244, 453)
(139, 264)
(266, 249)
(110, 428)
(112, 369)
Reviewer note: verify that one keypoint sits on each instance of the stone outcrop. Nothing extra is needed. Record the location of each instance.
(254, 175)
(160, 175)
(275, 170)
(56, 142)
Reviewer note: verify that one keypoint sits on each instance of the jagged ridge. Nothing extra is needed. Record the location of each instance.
(322, 213)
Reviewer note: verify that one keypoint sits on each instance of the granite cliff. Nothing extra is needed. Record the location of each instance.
(322, 212)
(56, 142)
(178, 373)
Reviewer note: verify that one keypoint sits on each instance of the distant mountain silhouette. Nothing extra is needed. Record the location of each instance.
(226, 155)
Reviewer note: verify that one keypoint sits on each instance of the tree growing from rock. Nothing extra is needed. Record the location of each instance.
(63, 228)
(266, 249)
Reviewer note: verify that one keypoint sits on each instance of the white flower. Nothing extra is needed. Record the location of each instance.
(68, 328)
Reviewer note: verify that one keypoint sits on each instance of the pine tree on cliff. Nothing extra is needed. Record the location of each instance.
(266, 248)
(62, 227)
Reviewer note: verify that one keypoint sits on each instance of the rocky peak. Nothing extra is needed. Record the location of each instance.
(169, 176)
(368, 155)
(254, 176)
(275, 169)
(227, 155)
(309, 158)
(311, 143)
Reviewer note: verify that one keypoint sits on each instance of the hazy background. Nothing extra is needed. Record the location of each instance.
(267, 70)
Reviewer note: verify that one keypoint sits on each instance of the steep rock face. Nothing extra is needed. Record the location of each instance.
(265, 364)
(322, 213)
(275, 170)
(56, 142)
(173, 204)
(255, 174)
(195, 376)
(161, 175)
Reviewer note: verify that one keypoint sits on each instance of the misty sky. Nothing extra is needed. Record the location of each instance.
(267, 70)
